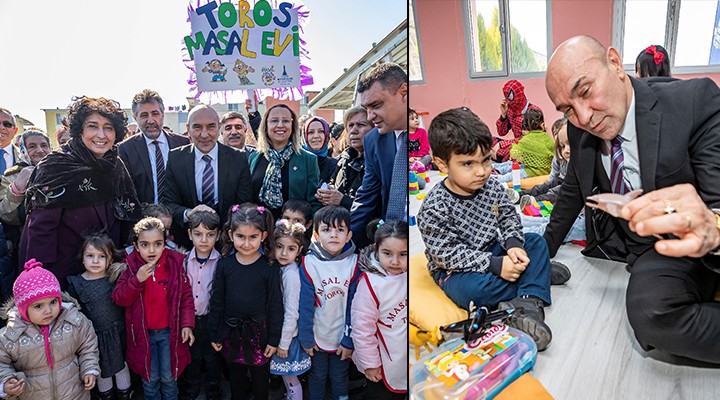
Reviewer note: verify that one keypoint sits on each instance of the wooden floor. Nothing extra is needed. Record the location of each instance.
(593, 354)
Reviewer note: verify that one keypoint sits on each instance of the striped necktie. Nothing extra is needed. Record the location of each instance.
(617, 181)
(398, 186)
(208, 182)
(159, 170)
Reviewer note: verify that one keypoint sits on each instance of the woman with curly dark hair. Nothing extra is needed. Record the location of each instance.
(83, 189)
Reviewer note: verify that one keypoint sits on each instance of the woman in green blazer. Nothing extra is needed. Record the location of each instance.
(281, 170)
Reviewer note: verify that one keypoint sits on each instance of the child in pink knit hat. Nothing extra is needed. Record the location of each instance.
(64, 364)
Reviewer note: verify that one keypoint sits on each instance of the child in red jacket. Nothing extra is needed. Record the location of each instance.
(160, 312)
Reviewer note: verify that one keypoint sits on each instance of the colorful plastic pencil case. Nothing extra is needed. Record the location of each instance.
(478, 369)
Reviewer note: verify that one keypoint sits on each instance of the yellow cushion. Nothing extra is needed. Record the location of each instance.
(429, 306)
(527, 183)
(525, 387)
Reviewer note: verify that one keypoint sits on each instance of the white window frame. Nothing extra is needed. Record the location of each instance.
(468, 11)
(672, 24)
(420, 81)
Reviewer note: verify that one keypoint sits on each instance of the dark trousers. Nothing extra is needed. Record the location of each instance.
(378, 391)
(670, 306)
(239, 382)
(327, 366)
(201, 351)
(486, 289)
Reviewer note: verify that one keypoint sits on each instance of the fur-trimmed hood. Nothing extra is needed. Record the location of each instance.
(369, 263)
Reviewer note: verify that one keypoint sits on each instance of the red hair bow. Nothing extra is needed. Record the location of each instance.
(657, 56)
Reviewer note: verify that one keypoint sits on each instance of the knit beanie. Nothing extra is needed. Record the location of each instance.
(33, 284)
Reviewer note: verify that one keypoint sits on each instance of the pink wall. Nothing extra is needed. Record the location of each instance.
(447, 84)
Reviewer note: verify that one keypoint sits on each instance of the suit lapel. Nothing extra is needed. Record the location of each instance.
(190, 172)
(387, 146)
(144, 156)
(647, 125)
(224, 178)
(589, 149)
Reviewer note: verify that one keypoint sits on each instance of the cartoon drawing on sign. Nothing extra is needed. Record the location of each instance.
(268, 75)
(242, 70)
(216, 68)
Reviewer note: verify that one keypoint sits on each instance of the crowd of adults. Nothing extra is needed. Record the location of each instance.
(101, 175)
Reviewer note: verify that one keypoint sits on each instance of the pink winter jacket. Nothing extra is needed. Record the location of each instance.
(129, 293)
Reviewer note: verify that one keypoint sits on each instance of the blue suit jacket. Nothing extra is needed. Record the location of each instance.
(372, 198)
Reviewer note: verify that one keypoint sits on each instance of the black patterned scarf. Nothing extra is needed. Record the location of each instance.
(74, 178)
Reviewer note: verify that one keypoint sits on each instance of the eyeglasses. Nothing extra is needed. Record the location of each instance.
(8, 124)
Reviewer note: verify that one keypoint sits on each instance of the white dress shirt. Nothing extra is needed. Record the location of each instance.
(165, 150)
(631, 155)
(200, 168)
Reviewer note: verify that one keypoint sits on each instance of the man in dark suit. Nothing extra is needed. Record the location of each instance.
(8, 129)
(383, 92)
(205, 175)
(146, 155)
(648, 134)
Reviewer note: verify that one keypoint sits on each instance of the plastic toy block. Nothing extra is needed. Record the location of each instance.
(421, 196)
(412, 178)
(531, 211)
(412, 221)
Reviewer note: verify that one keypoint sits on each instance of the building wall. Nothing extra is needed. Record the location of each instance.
(447, 84)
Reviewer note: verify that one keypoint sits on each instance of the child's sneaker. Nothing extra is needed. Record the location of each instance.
(526, 200)
(529, 317)
(559, 273)
(513, 195)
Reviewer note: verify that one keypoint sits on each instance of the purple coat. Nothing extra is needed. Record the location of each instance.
(53, 236)
(128, 293)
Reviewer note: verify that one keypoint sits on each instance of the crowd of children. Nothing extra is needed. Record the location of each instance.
(260, 307)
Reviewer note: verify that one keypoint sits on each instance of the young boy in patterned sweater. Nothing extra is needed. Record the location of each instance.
(474, 242)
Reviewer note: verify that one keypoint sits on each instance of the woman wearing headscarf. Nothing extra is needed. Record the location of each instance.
(317, 139)
(348, 175)
(281, 169)
(34, 146)
(83, 189)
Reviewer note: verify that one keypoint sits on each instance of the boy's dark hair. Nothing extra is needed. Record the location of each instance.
(378, 230)
(156, 210)
(458, 131)
(533, 120)
(333, 216)
(209, 220)
(301, 206)
(248, 214)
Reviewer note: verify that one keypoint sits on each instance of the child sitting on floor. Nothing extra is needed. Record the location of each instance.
(535, 149)
(474, 244)
(418, 146)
